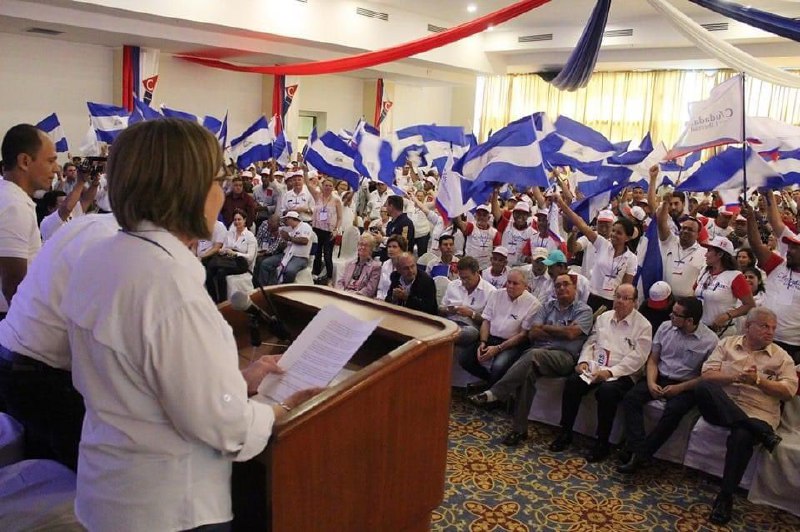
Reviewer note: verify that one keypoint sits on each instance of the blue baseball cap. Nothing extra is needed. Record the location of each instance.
(556, 256)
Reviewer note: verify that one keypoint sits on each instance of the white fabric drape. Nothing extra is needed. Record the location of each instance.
(719, 49)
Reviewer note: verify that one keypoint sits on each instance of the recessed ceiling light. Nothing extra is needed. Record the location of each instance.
(472, 8)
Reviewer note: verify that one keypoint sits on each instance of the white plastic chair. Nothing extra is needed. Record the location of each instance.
(347, 252)
(241, 282)
(304, 276)
(425, 258)
(441, 283)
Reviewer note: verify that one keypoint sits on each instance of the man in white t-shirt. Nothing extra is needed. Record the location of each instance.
(683, 256)
(29, 162)
(284, 267)
(208, 248)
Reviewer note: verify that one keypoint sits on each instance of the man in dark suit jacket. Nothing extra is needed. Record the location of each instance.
(412, 288)
(399, 223)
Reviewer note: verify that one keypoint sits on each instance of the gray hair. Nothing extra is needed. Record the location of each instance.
(760, 312)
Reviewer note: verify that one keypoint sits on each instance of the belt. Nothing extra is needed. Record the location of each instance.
(9, 360)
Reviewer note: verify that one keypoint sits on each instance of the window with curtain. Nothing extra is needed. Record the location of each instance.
(625, 105)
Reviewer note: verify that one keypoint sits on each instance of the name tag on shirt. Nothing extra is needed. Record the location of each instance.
(322, 216)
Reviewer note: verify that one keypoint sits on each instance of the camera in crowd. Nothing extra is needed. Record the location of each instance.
(93, 166)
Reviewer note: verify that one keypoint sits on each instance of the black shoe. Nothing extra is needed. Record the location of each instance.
(481, 399)
(632, 465)
(561, 442)
(770, 440)
(624, 456)
(599, 452)
(474, 388)
(514, 437)
(721, 511)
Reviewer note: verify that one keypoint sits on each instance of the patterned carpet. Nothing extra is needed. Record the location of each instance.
(493, 487)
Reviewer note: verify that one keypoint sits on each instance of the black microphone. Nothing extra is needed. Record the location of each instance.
(242, 302)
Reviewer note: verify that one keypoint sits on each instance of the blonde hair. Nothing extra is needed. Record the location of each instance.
(162, 171)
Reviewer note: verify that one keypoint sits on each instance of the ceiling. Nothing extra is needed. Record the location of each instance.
(309, 30)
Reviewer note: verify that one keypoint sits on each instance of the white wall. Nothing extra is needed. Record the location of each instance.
(421, 105)
(339, 97)
(209, 91)
(41, 76)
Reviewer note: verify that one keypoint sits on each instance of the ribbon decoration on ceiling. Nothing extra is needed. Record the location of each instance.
(579, 67)
(723, 51)
(386, 55)
(763, 20)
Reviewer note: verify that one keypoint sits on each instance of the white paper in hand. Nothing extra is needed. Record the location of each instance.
(318, 354)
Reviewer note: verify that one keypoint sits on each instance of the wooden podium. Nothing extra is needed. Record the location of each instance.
(368, 453)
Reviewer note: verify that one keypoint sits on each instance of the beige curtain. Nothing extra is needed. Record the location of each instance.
(626, 105)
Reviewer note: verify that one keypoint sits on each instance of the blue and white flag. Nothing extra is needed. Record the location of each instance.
(374, 157)
(651, 270)
(311, 139)
(142, 112)
(439, 142)
(715, 121)
(218, 127)
(450, 197)
(335, 157)
(725, 172)
(282, 150)
(52, 127)
(174, 113)
(786, 163)
(592, 178)
(254, 145)
(676, 171)
(573, 144)
(511, 155)
(633, 156)
(590, 206)
(108, 120)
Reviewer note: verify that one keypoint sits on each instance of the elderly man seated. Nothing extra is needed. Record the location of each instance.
(361, 275)
(284, 267)
(412, 288)
(680, 346)
(463, 302)
(611, 358)
(744, 381)
(506, 320)
(557, 334)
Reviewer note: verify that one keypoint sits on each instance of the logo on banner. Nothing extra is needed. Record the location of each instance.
(386, 105)
(288, 97)
(149, 85)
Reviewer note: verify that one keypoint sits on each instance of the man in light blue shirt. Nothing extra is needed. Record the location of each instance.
(680, 346)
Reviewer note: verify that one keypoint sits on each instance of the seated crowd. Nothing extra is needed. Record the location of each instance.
(537, 292)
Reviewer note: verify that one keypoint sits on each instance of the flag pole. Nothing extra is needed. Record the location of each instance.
(744, 143)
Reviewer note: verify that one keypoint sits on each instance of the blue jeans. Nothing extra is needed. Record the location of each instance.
(499, 364)
(268, 270)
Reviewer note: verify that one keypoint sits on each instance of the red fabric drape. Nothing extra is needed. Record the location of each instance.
(278, 88)
(378, 103)
(127, 78)
(370, 59)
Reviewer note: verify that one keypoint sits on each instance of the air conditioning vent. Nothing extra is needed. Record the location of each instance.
(716, 26)
(372, 14)
(535, 38)
(618, 33)
(435, 29)
(43, 31)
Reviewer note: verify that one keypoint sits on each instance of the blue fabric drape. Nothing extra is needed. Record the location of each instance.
(763, 20)
(580, 65)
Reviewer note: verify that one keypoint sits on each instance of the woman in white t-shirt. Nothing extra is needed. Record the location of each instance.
(237, 255)
(722, 288)
(614, 263)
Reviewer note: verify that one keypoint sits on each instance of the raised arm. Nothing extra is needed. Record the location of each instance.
(576, 220)
(773, 216)
(760, 250)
